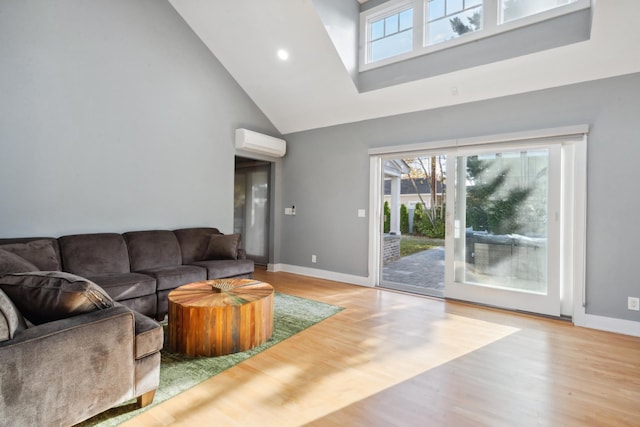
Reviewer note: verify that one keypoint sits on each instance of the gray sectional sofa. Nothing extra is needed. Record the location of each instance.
(63, 371)
(139, 268)
(73, 341)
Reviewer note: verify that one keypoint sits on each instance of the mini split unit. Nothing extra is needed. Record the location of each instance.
(258, 143)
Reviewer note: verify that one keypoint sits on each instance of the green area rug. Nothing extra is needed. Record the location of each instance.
(179, 373)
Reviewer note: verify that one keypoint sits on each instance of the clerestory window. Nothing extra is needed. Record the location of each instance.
(401, 29)
(448, 19)
(511, 10)
(392, 35)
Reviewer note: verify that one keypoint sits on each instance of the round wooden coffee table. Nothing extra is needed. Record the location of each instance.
(218, 317)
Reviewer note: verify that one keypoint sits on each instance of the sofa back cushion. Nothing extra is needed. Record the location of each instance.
(152, 249)
(12, 263)
(194, 242)
(94, 254)
(11, 321)
(41, 252)
(223, 246)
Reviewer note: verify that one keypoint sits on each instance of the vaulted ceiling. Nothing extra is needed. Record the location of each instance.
(313, 88)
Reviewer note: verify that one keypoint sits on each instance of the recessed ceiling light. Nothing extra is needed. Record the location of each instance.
(283, 54)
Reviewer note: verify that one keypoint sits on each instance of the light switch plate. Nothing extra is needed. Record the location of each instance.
(362, 213)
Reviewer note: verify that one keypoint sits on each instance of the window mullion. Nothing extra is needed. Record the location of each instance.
(490, 14)
(419, 22)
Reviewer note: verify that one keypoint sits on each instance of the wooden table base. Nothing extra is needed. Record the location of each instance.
(218, 317)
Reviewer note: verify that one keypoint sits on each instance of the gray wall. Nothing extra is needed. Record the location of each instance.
(113, 117)
(342, 21)
(326, 175)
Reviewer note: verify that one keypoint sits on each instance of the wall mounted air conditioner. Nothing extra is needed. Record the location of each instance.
(258, 143)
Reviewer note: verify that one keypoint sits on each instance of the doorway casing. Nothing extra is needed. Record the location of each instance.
(275, 204)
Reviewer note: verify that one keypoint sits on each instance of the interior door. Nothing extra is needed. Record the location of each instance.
(503, 233)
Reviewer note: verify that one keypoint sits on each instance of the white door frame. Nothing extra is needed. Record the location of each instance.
(573, 200)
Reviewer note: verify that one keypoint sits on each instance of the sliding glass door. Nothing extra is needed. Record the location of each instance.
(503, 233)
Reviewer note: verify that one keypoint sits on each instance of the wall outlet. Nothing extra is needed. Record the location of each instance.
(633, 303)
(313, 259)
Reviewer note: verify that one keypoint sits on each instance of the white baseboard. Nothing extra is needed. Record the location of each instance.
(609, 324)
(272, 267)
(321, 274)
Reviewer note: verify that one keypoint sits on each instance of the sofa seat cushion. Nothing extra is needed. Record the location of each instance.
(149, 336)
(122, 286)
(40, 253)
(45, 296)
(11, 321)
(177, 275)
(12, 263)
(221, 268)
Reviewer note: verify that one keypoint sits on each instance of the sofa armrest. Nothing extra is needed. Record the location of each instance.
(62, 372)
(149, 336)
(242, 254)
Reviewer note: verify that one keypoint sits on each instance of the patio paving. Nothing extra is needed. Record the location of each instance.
(422, 271)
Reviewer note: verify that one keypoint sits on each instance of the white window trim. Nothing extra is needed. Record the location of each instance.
(380, 12)
(490, 27)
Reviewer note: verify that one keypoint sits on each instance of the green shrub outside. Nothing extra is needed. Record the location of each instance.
(387, 217)
(404, 219)
(421, 224)
(418, 215)
(423, 227)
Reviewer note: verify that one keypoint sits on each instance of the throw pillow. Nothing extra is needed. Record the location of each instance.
(39, 252)
(223, 246)
(12, 263)
(46, 296)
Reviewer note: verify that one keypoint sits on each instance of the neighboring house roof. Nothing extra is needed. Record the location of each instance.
(406, 187)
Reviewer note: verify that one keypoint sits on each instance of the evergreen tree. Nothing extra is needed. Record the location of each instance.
(460, 28)
(418, 217)
(387, 217)
(490, 207)
(404, 219)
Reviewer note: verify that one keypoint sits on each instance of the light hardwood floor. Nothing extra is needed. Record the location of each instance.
(392, 359)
